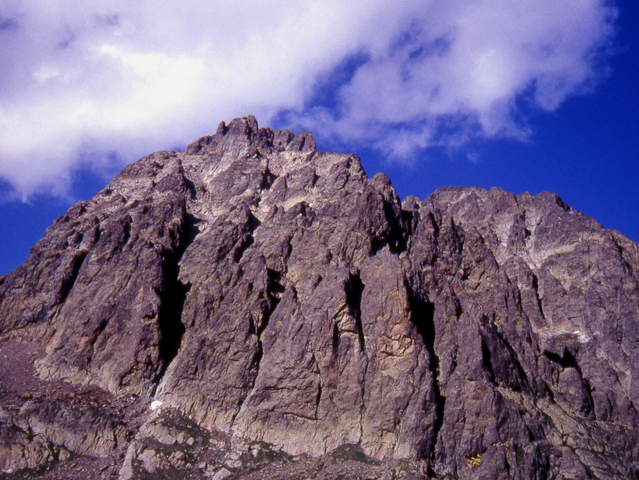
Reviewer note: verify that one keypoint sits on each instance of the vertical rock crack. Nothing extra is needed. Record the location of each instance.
(172, 295)
(422, 315)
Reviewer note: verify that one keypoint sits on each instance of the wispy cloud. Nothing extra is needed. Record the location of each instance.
(84, 83)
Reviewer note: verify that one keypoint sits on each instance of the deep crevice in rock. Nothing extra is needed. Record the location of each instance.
(486, 363)
(566, 361)
(97, 233)
(500, 359)
(255, 362)
(422, 315)
(246, 241)
(318, 398)
(590, 402)
(535, 285)
(190, 187)
(127, 232)
(69, 281)
(274, 290)
(252, 330)
(353, 288)
(252, 223)
(335, 340)
(396, 235)
(458, 308)
(172, 295)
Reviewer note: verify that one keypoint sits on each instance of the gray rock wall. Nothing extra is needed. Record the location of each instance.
(260, 288)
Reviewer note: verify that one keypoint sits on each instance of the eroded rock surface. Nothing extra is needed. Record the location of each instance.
(296, 320)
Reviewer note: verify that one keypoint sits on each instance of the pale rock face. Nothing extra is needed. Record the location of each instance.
(269, 294)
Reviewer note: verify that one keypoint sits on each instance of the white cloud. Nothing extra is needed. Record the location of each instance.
(81, 80)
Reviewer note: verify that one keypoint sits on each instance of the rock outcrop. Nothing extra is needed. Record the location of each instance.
(287, 315)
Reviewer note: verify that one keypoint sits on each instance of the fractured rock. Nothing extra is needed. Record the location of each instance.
(269, 294)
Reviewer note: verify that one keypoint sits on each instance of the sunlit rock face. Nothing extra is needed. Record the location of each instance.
(253, 304)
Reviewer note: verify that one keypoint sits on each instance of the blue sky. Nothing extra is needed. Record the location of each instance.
(526, 96)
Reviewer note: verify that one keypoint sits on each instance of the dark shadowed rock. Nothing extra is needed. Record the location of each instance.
(291, 318)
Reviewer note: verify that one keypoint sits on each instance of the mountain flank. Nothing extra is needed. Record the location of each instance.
(253, 308)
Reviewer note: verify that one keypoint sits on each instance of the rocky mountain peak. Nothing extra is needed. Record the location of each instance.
(243, 137)
(254, 308)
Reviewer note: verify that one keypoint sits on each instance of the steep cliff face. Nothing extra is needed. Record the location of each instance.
(290, 313)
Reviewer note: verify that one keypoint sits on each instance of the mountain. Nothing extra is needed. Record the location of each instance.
(253, 308)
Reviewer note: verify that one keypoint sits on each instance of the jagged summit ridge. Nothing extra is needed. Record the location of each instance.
(266, 291)
(246, 130)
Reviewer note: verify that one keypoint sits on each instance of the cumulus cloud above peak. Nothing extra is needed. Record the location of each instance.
(83, 84)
